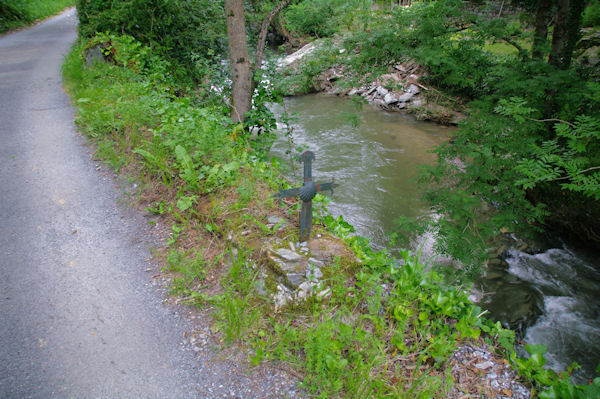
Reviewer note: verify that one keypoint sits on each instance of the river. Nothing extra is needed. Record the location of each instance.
(375, 162)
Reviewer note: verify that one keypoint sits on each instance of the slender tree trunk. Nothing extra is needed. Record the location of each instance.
(542, 16)
(241, 74)
(566, 32)
(559, 37)
(264, 28)
(576, 8)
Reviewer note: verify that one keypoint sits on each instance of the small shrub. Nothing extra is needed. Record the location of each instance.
(311, 18)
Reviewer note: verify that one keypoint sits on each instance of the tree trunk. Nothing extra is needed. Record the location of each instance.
(241, 74)
(576, 8)
(542, 16)
(559, 37)
(566, 32)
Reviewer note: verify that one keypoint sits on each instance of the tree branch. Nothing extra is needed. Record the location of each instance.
(553, 120)
(264, 28)
(514, 44)
(578, 173)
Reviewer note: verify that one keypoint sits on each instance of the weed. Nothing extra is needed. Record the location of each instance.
(235, 311)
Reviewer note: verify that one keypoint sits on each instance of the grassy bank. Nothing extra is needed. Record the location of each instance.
(377, 326)
(18, 13)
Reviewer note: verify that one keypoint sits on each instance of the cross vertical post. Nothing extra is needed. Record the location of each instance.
(306, 193)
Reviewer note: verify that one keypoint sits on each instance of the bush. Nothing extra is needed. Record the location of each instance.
(311, 17)
(591, 15)
(185, 33)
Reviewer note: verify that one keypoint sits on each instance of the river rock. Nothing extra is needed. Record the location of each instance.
(405, 97)
(382, 91)
(378, 102)
(414, 89)
(390, 78)
(369, 92)
(412, 78)
(390, 98)
(353, 92)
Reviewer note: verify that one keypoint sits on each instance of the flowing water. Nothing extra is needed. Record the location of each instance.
(554, 296)
(373, 162)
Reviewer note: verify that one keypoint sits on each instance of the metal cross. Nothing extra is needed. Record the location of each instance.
(306, 193)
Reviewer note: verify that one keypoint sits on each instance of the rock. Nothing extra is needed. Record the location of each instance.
(94, 55)
(369, 92)
(382, 91)
(315, 263)
(400, 105)
(313, 273)
(353, 92)
(390, 98)
(405, 97)
(326, 248)
(390, 78)
(295, 279)
(260, 287)
(324, 294)
(413, 78)
(298, 55)
(379, 103)
(288, 255)
(305, 289)
(275, 219)
(484, 365)
(288, 261)
(282, 296)
(400, 67)
(414, 89)
(411, 66)
(417, 103)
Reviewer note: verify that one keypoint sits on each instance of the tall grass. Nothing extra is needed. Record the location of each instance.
(16, 13)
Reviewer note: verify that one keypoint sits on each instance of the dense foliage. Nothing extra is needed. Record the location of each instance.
(529, 154)
(188, 34)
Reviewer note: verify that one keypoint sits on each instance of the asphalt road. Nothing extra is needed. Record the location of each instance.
(79, 316)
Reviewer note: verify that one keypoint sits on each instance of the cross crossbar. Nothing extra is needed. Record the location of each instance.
(306, 193)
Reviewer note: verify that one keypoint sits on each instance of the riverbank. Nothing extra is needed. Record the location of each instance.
(398, 89)
(517, 293)
(347, 320)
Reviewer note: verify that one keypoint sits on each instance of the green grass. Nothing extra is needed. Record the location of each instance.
(17, 13)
